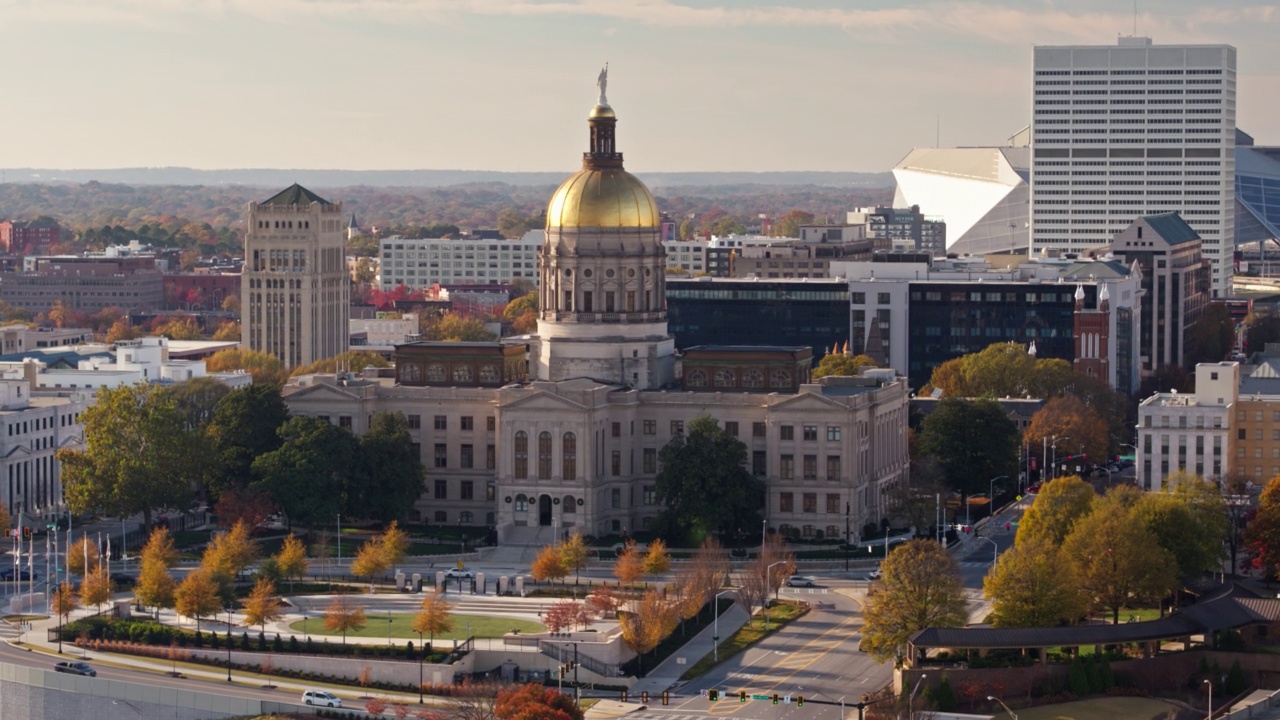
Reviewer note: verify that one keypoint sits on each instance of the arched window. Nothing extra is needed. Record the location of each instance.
(522, 455)
(544, 455)
(569, 461)
(442, 516)
(833, 531)
(466, 517)
(570, 504)
(522, 503)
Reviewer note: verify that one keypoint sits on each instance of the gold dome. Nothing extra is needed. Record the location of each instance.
(601, 111)
(602, 198)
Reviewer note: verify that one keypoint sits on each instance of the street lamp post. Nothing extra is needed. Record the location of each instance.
(991, 494)
(715, 625)
(1210, 684)
(995, 549)
(846, 536)
(228, 643)
(422, 651)
(1053, 448)
(1012, 714)
(911, 698)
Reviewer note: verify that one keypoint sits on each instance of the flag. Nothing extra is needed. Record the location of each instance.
(108, 548)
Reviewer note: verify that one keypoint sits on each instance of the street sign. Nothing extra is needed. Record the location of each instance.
(786, 699)
(681, 661)
(759, 697)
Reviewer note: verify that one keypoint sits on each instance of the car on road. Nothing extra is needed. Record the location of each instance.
(10, 574)
(76, 668)
(461, 573)
(124, 580)
(321, 697)
(874, 574)
(799, 581)
(1033, 489)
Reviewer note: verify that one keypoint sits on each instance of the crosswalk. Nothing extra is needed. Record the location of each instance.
(804, 591)
(973, 564)
(659, 715)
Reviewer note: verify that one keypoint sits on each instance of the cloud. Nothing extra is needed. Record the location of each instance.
(1015, 24)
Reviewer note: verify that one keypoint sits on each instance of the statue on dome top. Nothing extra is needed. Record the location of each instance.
(602, 82)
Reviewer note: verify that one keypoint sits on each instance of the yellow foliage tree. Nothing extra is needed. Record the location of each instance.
(370, 561)
(436, 616)
(229, 330)
(548, 566)
(353, 360)
(179, 328)
(291, 561)
(574, 554)
(197, 596)
(95, 588)
(83, 556)
(657, 560)
(231, 552)
(1060, 503)
(1032, 586)
(65, 600)
(629, 567)
(841, 364)
(343, 615)
(265, 369)
(648, 622)
(262, 606)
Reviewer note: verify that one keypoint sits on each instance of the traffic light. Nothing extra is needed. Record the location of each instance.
(799, 701)
(26, 532)
(742, 696)
(775, 698)
(713, 695)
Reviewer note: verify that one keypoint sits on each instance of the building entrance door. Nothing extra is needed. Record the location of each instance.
(544, 510)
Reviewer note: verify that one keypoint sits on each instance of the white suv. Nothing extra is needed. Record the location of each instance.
(320, 697)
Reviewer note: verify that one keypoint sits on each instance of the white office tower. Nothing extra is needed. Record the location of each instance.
(1134, 129)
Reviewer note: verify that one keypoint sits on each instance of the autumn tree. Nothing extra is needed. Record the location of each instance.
(766, 574)
(656, 559)
(82, 556)
(1189, 519)
(972, 441)
(605, 602)
(842, 364)
(351, 360)
(249, 505)
(95, 588)
(548, 566)
(229, 330)
(229, 553)
(704, 483)
(629, 567)
(1059, 505)
(561, 615)
(434, 617)
(788, 226)
(197, 596)
(1032, 586)
(920, 588)
(1263, 533)
(456, 327)
(179, 328)
(5, 519)
(155, 587)
(535, 702)
(649, 620)
(370, 561)
(1068, 417)
(265, 368)
(343, 615)
(262, 606)
(65, 600)
(574, 554)
(291, 561)
(137, 457)
(1117, 559)
(121, 330)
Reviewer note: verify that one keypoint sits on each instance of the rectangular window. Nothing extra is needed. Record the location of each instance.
(785, 502)
(811, 502)
(810, 433)
(490, 457)
(442, 422)
(442, 455)
(833, 503)
(616, 463)
(490, 491)
(468, 490)
(344, 421)
(833, 467)
(616, 430)
(650, 427)
(442, 489)
(833, 433)
(651, 460)
(757, 430)
(490, 423)
(787, 432)
(731, 429)
(468, 422)
(468, 457)
(677, 427)
(759, 463)
(415, 422)
(615, 498)
(810, 467)
(650, 495)
(787, 467)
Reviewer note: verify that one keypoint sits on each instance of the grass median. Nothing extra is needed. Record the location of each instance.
(753, 632)
(376, 626)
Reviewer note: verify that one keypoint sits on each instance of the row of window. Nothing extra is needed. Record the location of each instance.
(809, 502)
(441, 422)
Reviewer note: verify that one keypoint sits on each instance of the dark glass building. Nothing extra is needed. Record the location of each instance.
(706, 311)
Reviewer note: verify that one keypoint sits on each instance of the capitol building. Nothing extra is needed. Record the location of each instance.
(544, 434)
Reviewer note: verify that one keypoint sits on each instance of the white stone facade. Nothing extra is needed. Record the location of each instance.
(1189, 431)
(32, 430)
(419, 263)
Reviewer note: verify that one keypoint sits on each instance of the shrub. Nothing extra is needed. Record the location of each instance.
(942, 696)
(293, 644)
(1230, 641)
(1079, 680)
(1105, 674)
(1235, 682)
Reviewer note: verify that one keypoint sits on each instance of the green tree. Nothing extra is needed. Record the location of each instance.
(973, 441)
(1118, 561)
(137, 458)
(391, 477)
(308, 476)
(1030, 586)
(920, 588)
(521, 305)
(513, 225)
(841, 364)
(245, 426)
(1210, 338)
(352, 360)
(1059, 505)
(728, 226)
(1262, 327)
(574, 554)
(704, 484)
(196, 400)
(1189, 519)
(788, 226)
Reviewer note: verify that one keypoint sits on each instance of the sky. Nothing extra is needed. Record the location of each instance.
(698, 85)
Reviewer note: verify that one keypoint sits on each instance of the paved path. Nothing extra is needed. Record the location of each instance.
(702, 645)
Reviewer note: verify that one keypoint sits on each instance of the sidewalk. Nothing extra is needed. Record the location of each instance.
(702, 644)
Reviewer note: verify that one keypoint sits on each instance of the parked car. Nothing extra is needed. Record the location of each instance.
(10, 574)
(76, 668)
(321, 697)
(874, 574)
(124, 580)
(466, 573)
(799, 581)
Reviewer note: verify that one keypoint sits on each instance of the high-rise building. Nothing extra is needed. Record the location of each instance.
(422, 262)
(294, 292)
(1134, 129)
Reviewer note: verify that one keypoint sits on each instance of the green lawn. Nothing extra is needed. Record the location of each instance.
(481, 626)
(1107, 708)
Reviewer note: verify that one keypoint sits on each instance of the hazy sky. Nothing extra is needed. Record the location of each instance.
(506, 84)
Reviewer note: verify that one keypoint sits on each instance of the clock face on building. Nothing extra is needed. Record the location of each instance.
(725, 378)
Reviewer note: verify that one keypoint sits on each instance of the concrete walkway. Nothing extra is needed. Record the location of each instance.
(702, 644)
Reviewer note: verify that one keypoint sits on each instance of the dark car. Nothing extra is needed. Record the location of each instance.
(76, 668)
(123, 580)
(10, 574)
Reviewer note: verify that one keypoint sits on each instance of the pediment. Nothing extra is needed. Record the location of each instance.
(543, 402)
(322, 392)
(806, 401)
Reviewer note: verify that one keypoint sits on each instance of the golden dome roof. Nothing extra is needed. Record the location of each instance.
(602, 198)
(601, 110)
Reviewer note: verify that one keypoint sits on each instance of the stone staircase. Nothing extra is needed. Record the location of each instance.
(520, 545)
